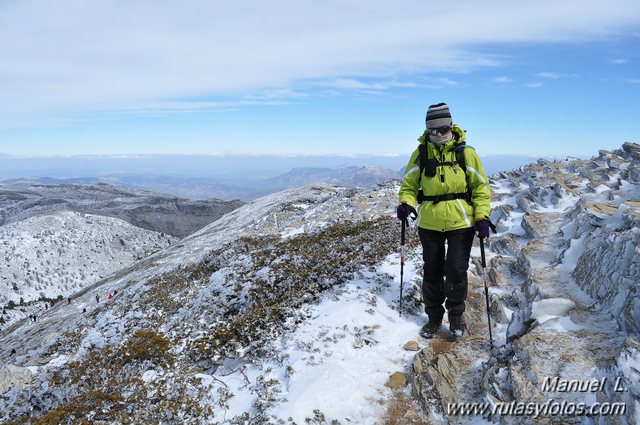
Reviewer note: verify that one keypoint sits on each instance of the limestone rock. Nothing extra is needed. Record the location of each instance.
(533, 225)
(438, 378)
(504, 245)
(495, 277)
(397, 380)
(602, 208)
(632, 149)
(14, 376)
(609, 272)
(411, 346)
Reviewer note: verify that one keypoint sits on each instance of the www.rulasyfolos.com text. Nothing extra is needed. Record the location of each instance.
(551, 406)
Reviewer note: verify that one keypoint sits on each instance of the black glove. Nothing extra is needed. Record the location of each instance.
(404, 211)
(482, 227)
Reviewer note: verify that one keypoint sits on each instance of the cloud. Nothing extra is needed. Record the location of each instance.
(550, 75)
(634, 80)
(619, 61)
(502, 80)
(73, 55)
(534, 85)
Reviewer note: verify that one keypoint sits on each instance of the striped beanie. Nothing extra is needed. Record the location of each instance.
(438, 115)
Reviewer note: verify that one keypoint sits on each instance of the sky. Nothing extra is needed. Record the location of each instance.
(211, 77)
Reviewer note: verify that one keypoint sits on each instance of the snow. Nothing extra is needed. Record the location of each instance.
(601, 188)
(150, 376)
(302, 206)
(573, 254)
(514, 224)
(550, 308)
(58, 361)
(563, 204)
(628, 363)
(326, 352)
(293, 232)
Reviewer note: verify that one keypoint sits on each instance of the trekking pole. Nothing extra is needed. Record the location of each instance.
(405, 223)
(486, 287)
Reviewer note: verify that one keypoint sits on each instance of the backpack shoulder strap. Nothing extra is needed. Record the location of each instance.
(421, 160)
(459, 151)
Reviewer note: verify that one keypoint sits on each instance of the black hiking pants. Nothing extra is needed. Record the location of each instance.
(445, 274)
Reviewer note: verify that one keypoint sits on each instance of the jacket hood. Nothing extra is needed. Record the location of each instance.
(459, 136)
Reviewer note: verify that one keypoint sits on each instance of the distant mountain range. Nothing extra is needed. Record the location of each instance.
(238, 187)
(152, 211)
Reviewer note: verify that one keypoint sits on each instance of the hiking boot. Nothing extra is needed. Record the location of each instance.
(431, 328)
(456, 325)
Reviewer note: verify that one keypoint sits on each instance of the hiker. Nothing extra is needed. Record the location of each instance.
(453, 200)
(46, 306)
(110, 296)
(97, 298)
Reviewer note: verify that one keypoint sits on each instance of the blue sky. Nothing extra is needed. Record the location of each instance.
(316, 77)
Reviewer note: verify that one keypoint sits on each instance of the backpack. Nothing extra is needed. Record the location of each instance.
(428, 167)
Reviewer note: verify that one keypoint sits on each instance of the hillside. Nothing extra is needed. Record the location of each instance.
(59, 254)
(286, 311)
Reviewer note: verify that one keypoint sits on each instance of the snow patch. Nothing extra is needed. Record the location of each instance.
(551, 308)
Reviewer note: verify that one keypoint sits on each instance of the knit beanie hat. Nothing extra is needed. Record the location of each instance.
(438, 115)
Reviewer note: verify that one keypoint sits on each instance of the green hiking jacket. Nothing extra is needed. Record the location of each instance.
(453, 214)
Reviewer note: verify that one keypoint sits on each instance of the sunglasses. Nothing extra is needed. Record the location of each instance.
(440, 130)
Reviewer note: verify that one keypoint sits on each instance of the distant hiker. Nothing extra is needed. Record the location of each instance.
(46, 306)
(53, 302)
(115, 292)
(97, 298)
(446, 178)
(13, 351)
(84, 310)
(110, 295)
(69, 300)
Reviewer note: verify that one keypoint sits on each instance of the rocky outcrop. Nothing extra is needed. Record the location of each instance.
(609, 267)
(12, 376)
(633, 149)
